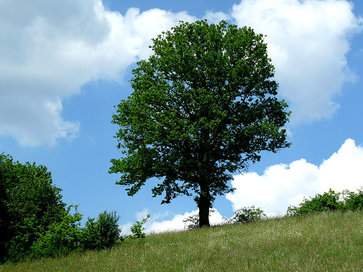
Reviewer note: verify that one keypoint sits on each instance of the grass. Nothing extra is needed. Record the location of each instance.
(321, 242)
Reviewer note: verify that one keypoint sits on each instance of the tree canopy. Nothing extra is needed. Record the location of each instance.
(204, 106)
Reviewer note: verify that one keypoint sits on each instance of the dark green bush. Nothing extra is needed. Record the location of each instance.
(60, 239)
(247, 215)
(34, 221)
(29, 205)
(67, 236)
(101, 233)
(329, 201)
(353, 201)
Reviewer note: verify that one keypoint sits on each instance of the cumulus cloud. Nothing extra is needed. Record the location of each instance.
(49, 50)
(307, 42)
(283, 185)
(177, 223)
(156, 225)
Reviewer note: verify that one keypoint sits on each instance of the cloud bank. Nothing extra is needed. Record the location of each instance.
(283, 185)
(48, 51)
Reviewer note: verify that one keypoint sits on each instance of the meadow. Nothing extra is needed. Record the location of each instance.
(328, 241)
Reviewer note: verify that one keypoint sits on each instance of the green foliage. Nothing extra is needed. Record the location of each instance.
(138, 228)
(60, 239)
(353, 201)
(34, 221)
(67, 236)
(29, 205)
(101, 233)
(329, 201)
(248, 215)
(204, 106)
(319, 203)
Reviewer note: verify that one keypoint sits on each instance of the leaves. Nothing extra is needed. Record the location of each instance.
(329, 201)
(138, 228)
(29, 204)
(203, 106)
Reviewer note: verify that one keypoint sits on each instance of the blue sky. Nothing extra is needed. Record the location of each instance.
(66, 64)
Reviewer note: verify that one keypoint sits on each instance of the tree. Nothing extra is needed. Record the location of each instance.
(29, 204)
(204, 106)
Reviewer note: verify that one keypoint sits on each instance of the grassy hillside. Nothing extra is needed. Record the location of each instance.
(322, 242)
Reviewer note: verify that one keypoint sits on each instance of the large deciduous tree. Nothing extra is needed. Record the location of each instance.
(204, 106)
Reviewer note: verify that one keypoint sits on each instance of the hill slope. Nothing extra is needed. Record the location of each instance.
(322, 242)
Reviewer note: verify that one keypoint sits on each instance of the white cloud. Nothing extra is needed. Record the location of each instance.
(156, 225)
(307, 42)
(143, 214)
(216, 17)
(49, 50)
(283, 185)
(177, 223)
(126, 228)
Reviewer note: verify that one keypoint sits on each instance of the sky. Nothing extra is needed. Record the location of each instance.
(64, 65)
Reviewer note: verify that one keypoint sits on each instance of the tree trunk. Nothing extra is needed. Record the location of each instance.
(204, 205)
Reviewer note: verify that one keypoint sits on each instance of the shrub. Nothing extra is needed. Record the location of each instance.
(138, 228)
(29, 205)
(247, 215)
(61, 237)
(353, 201)
(34, 221)
(329, 201)
(101, 233)
(67, 236)
(325, 202)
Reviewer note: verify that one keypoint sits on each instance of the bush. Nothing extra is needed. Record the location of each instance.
(34, 221)
(67, 236)
(353, 201)
(329, 201)
(29, 205)
(102, 233)
(138, 228)
(61, 237)
(247, 215)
